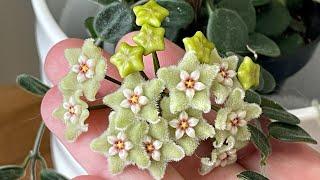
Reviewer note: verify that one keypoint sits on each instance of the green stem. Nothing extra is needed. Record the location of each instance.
(96, 107)
(209, 6)
(156, 63)
(98, 42)
(35, 150)
(143, 74)
(112, 80)
(215, 107)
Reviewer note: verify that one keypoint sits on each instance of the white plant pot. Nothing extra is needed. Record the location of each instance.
(58, 19)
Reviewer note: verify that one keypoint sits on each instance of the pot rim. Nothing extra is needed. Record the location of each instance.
(47, 21)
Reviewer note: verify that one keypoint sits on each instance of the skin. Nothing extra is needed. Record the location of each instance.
(288, 160)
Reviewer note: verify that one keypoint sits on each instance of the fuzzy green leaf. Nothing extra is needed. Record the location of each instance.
(250, 175)
(252, 97)
(280, 115)
(113, 22)
(227, 30)
(89, 25)
(244, 8)
(11, 172)
(172, 152)
(263, 45)
(139, 157)
(269, 83)
(288, 44)
(289, 133)
(32, 84)
(273, 20)
(261, 142)
(260, 2)
(265, 102)
(180, 16)
(49, 174)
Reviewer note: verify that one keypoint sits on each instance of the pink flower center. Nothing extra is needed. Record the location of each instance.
(189, 83)
(71, 110)
(235, 121)
(119, 144)
(149, 147)
(183, 124)
(224, 72)
(134, 99)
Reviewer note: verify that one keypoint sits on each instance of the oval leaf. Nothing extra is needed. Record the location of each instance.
(11, 172)
(269, 83)
(263, 45)
(181, 14)
(244, 8)
(289, 133)
(227, 30)
(260, 2)
(113, 22)
(49, 174)
(250, 175)
(290, 43)
(265, 102)
(252, 97)
(273, 20)
(261, 142)
(32, 84)
(280, 115)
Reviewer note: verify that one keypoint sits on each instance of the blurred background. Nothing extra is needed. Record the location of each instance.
(18, 49)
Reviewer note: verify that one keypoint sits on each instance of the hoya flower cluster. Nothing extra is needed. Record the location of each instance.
(87, 68)
(160, 120)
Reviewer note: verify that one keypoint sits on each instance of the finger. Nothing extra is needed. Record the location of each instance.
(287, 161)
(170, 56)
(229, 172)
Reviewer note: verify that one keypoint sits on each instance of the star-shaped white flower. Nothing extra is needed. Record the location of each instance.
(120, 145)
(226, 158)
(134, 99)
(189, 83)
(73, 110)
(225, 75)
(235, 120)
(152, 147)
(84, 68)
(184, 125)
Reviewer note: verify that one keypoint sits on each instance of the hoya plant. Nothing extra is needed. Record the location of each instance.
(268, 28)
(160, 117)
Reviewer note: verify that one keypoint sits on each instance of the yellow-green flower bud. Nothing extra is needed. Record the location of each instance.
(249, 73)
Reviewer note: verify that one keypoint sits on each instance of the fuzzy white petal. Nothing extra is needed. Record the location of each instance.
(135, 108)
(155, 155)
(66, 105)
(138, 90)
(76, 68)
(127, 93)
(190, 132)
(179, 133)
(193, 121)
(219, 77)
(89, 74)
(184, 75)
(147, 139)
(128, 145)
(77, 109)
(234, 130)
(111, 139)
(123, 154)
(174, 123)
(183, 115)
(112, 151)
(181, 86)
(190, 93)
(242, 123)
(143, 100)
(242, 114)
(73, 118)
(66, 116)
(81, 77)
(228, 82)
(125, 103)
(121, 136)
(231, 73)
(157, 144)
(90, 63)
(199, 86)
(195, 75)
